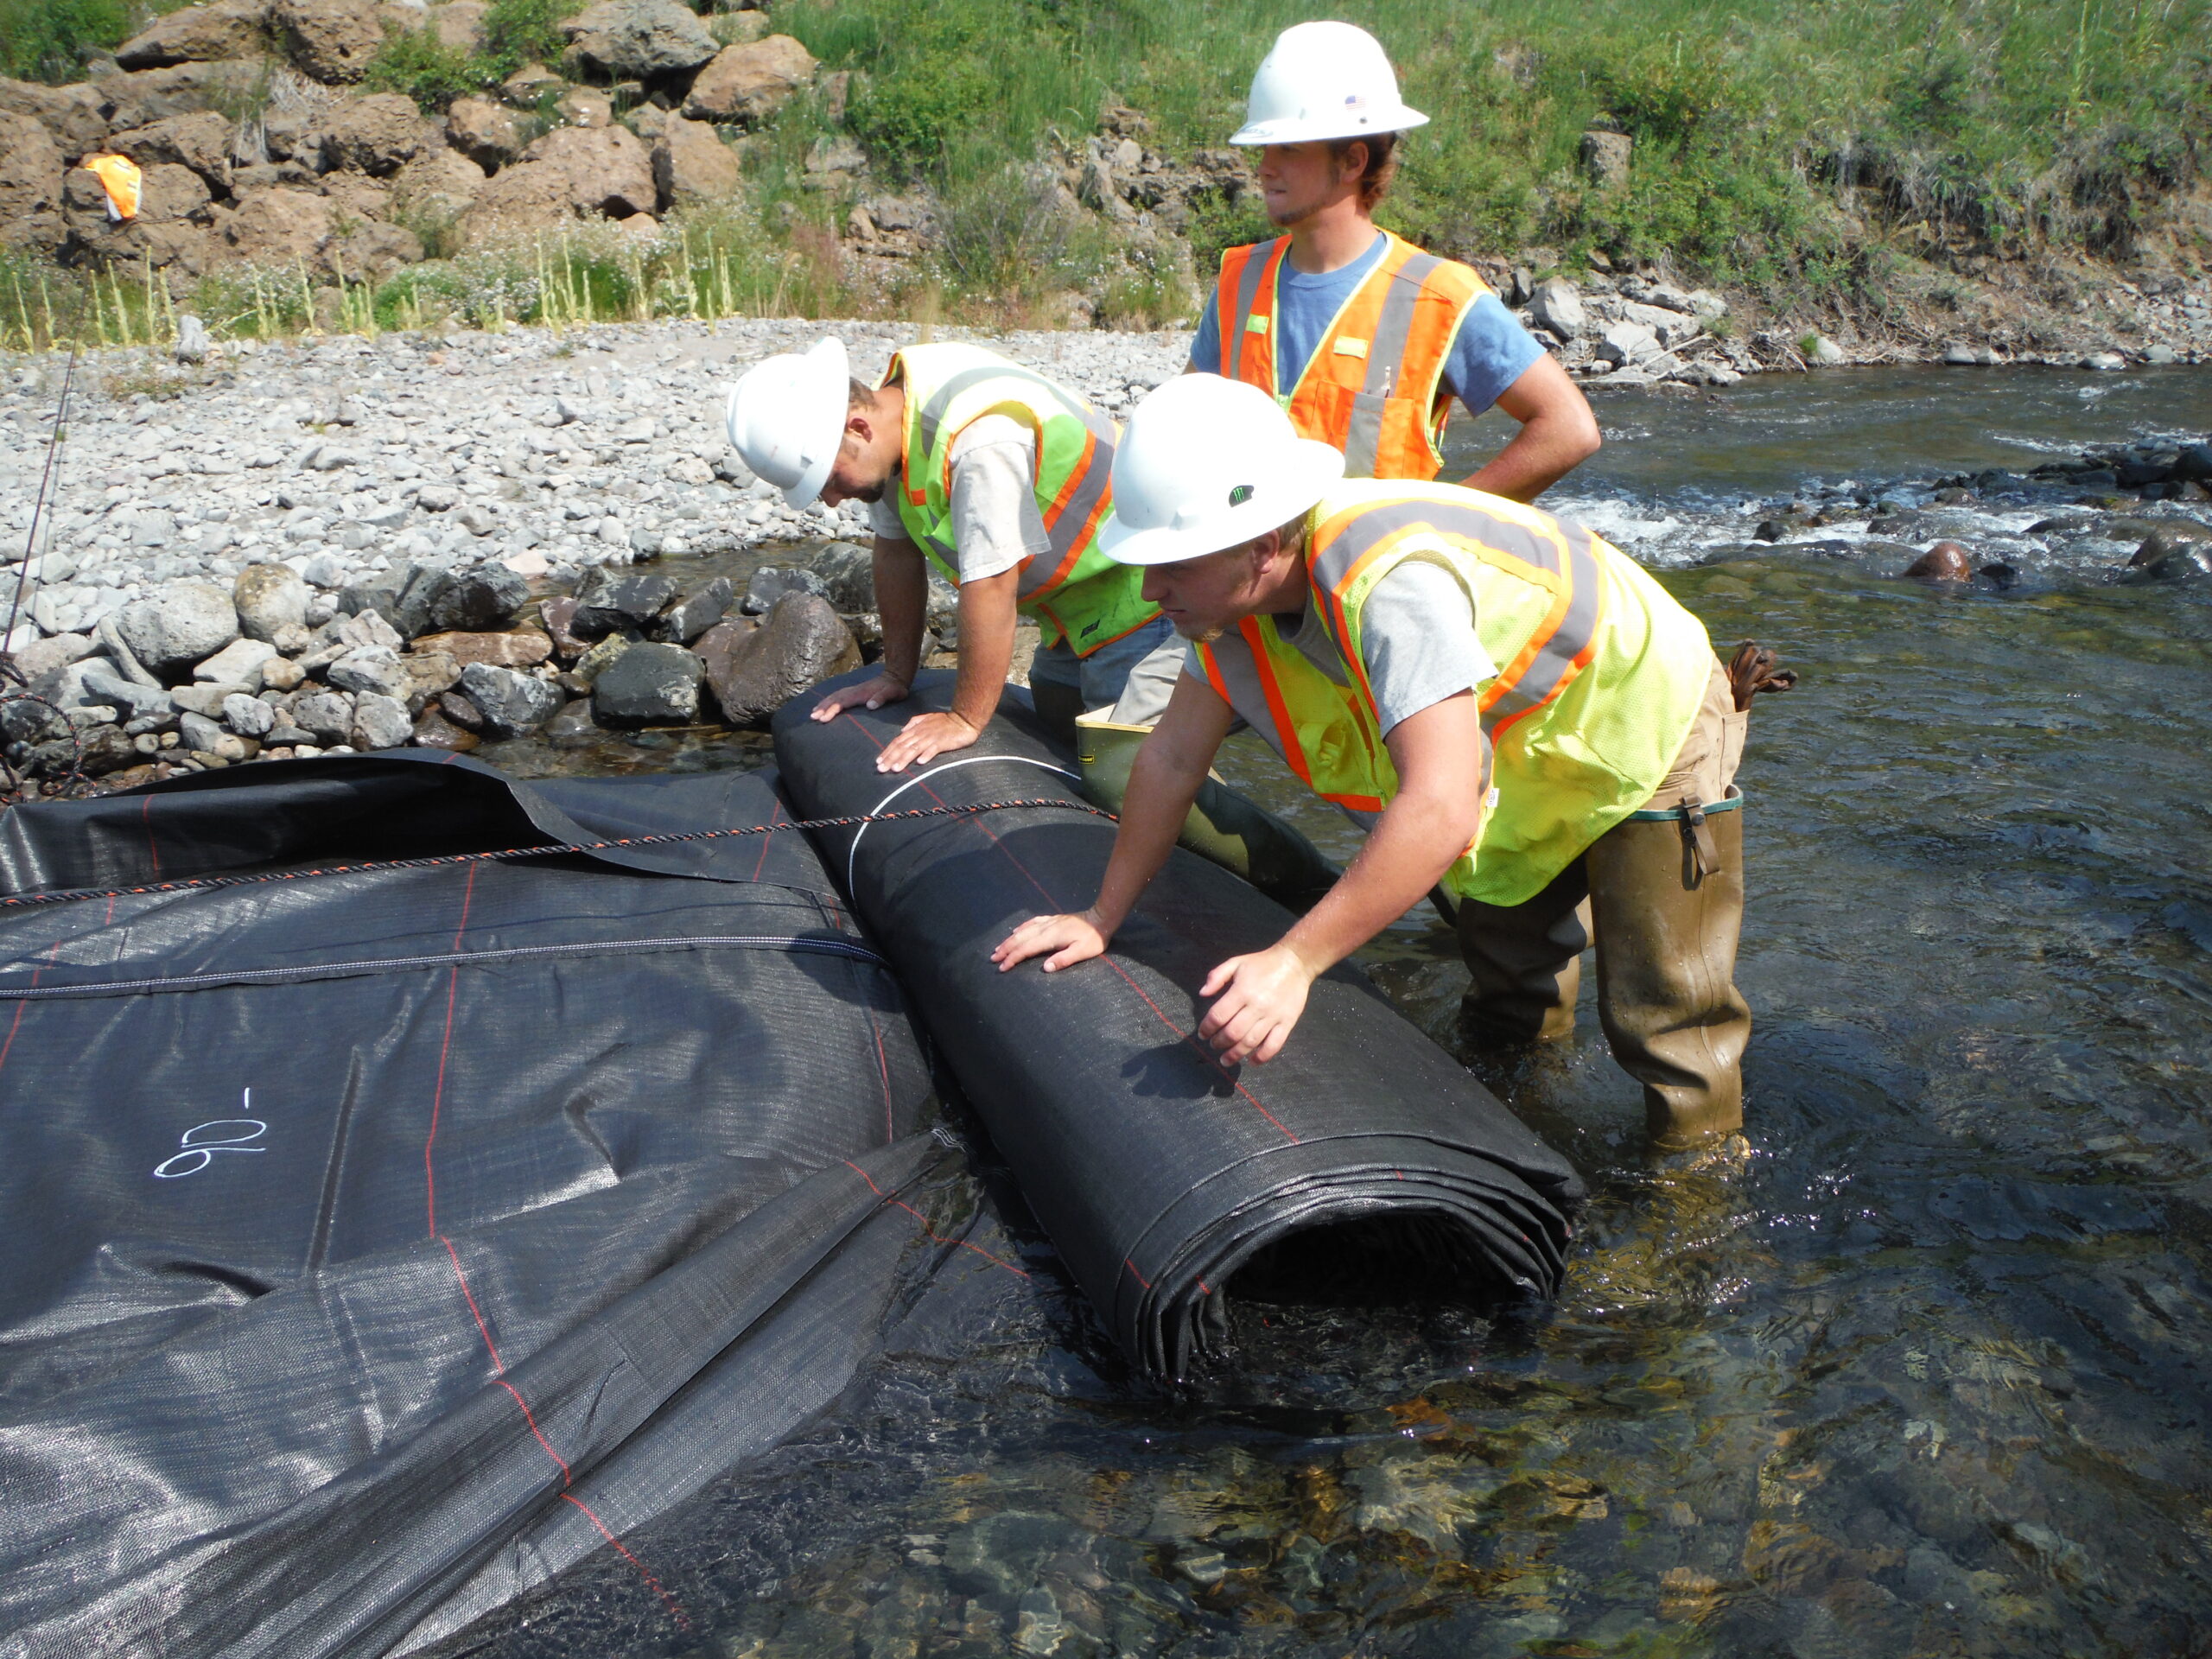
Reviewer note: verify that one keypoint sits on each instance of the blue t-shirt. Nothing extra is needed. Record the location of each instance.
(1491, 351)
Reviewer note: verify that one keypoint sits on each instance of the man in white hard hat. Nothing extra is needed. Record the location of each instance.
(1520, 712)
(1364, 338)
(999, 477)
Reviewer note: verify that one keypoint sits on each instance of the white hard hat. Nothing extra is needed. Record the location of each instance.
(1324, 80)
(1205, 464)
(788, 417)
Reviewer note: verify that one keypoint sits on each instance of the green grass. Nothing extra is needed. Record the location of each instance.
(1761, 129)
(514, 32)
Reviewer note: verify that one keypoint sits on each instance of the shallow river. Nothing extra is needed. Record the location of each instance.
(1927, 1374)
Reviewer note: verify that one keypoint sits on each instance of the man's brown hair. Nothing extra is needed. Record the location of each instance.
(1381, 164)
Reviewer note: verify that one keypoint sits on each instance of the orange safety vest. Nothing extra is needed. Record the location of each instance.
(1374, 386)
(1600, 673)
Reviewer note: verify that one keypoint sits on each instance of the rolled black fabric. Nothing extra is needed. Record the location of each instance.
(380, 1244)
(1363, 1149)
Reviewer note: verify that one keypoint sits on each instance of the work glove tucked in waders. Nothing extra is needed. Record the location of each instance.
(1237, 833)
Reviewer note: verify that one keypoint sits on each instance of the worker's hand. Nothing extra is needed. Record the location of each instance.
(1070, 938)
(884, 688)
(923, 739)
(1258, 1000)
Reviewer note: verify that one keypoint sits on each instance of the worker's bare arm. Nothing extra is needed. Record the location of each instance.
(1431, 821)
(902, 584)
(1558, 433)
(987, 616)
(1163, 783)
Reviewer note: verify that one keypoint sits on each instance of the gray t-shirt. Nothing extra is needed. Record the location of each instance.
(1417, 637)
(995, 521)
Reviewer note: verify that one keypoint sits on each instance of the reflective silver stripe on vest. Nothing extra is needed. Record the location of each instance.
(932, 416)
(1075, 518)
(1385, 354)
(1232, 660)
(1248, 295)
(1553, 664)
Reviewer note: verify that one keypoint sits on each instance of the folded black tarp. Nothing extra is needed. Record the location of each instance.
(380, 1244)
(1363, 1161)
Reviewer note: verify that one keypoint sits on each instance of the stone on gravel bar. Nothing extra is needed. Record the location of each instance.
(327, 715)
(182, 624)
(434, 731)
(248, 716)
(239, 662)
(370, 668)
(512, 704)
(380, 722)
(270, 599)
(487, 597)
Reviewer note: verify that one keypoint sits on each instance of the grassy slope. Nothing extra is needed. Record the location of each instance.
(1763, 128)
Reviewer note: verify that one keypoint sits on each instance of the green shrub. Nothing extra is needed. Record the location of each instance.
(416, 62)
(45, 40)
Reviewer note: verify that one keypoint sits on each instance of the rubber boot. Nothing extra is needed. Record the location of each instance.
(1525, 963)
(1236, 833)
(1666, 933)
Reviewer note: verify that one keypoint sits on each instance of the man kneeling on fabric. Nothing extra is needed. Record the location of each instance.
(1520, 712)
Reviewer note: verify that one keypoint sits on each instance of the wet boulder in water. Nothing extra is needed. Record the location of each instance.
(624, 605)
(2193, 464)
(434, 731)
(704, 604)
(770, 583)
(755, 672)
(848, 573)
(512, 704)
(2164, 540)
(1945, 562)
(649, 685)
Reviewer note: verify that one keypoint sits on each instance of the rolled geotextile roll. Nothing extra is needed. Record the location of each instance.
(1363, 1156)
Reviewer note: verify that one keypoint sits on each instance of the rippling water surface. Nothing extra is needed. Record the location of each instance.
(1926, 1375)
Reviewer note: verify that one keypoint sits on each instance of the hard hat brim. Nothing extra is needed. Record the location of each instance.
(1311, 467)
(1307, 130)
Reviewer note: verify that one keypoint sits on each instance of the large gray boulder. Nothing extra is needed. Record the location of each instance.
(512, 703)
(609, 604)
(754, 671)
(702, 606)
(647, 40)
(203, 34)
(332, 41)
(476, 601)
(271, 599)
(380, 722)
(649, 685)
(1557, 305)
(848, 573)
(186, 623)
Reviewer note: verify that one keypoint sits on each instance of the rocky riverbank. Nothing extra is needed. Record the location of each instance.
(344, 545)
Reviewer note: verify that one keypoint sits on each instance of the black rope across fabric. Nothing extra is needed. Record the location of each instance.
(627, 843)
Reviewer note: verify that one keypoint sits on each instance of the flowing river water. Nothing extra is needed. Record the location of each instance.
(1926, 1373)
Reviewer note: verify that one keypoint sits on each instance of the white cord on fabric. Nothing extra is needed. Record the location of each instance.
(852, 853)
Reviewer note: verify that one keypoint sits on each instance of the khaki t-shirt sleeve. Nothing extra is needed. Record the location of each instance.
(883, 515)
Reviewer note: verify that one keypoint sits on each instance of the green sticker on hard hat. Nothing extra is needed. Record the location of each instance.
(1239, 495)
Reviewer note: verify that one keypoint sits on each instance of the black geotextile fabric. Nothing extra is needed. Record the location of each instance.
(1363, 1162)
(380, 1244)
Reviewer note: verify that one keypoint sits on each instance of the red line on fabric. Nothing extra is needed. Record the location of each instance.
(1190, 1036)
(1135, 1274)
(929, 1231)
(146, 818)
(437, 1100)
(566, 1479)
(482, 1330)
(467, 898)
(109, 917)
(16, 1025)
(775, 811)
(675, 1609)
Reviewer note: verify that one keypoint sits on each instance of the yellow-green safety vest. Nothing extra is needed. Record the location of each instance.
(1600, 673)
(1075, 591)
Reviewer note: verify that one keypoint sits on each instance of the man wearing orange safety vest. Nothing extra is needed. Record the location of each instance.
(1362, 337)
(1520, 714)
